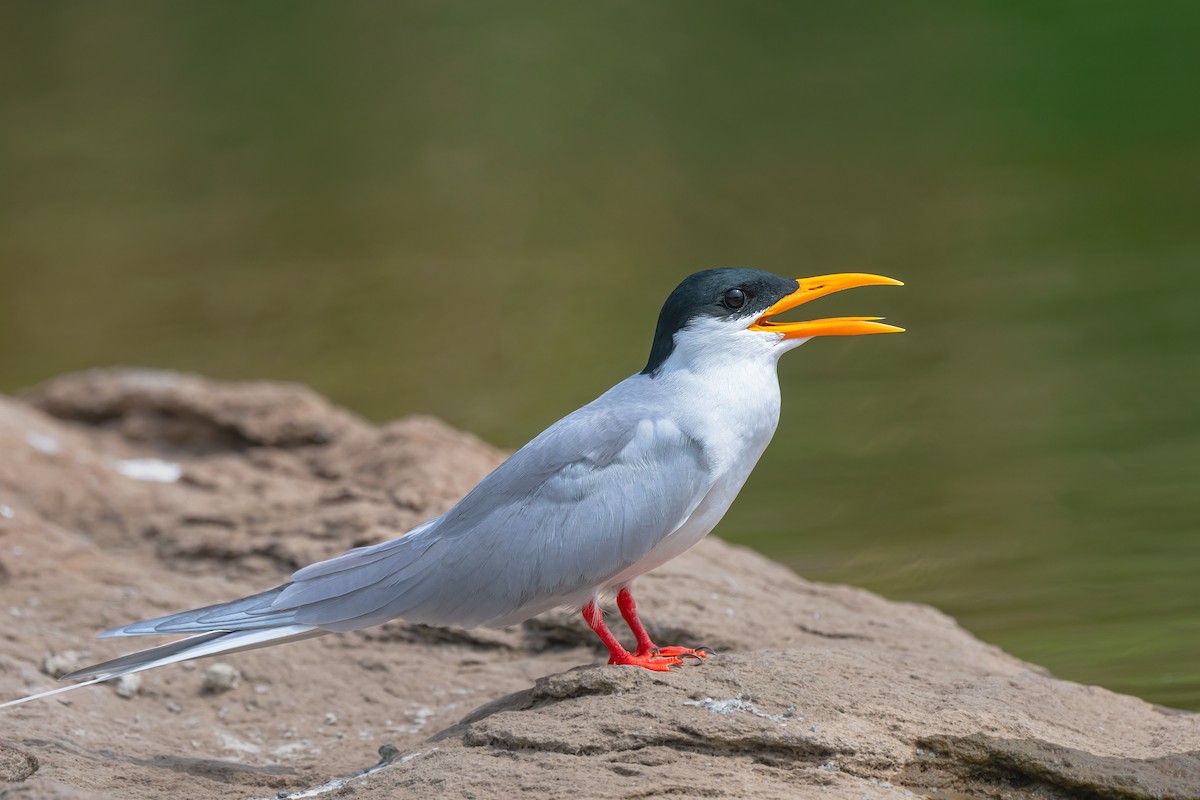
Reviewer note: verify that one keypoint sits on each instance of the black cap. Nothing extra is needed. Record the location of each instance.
(725, 292)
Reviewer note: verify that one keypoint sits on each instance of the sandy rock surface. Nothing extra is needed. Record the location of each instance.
(130, 494)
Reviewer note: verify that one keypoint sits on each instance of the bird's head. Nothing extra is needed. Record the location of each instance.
(727, 313)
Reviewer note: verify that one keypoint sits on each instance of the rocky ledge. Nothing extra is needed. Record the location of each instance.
(127, 494)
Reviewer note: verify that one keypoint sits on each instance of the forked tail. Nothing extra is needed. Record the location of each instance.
(200, 646)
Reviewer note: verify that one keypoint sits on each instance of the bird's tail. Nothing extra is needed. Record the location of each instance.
(201, 646)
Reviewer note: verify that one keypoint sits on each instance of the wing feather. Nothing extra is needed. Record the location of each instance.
(577, 506)
(581, 503)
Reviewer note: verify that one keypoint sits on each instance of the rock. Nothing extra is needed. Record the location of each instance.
(58, 664)
(815, 690)
(221, 678)
(838, 718)
(187, 412)
(128, 686)
(1035, 769)
(16, 765)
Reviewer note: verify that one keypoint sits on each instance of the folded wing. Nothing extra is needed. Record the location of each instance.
(582, 502)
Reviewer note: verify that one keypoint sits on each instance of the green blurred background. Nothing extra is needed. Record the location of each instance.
(475, 210)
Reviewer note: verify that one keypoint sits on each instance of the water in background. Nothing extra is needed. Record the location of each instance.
(476, 210)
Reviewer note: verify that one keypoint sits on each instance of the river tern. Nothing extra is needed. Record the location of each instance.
(607, 493)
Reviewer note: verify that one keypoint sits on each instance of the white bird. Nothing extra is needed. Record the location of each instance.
(606, 494)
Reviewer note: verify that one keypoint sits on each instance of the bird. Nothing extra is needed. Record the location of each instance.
(606, 494)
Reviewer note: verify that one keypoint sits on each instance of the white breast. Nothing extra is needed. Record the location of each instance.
(728, 401)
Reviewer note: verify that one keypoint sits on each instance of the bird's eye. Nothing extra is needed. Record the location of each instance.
(734, 299)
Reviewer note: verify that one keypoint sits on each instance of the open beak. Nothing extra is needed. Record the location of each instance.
(819, 286)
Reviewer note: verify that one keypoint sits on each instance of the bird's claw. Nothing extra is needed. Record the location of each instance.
(651, 661)
(675, 655)
(662, 659)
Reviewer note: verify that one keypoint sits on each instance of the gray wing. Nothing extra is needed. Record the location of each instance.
(576, 506)
(582, 502)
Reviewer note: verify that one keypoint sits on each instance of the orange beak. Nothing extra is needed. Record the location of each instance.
(819, 286)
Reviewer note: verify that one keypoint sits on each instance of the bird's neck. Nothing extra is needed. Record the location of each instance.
(733, 410)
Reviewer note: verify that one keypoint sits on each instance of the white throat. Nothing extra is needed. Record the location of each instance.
(723, 380)
(721, 346)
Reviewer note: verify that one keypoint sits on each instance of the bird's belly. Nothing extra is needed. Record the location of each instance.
(698, 525)
(756, 427)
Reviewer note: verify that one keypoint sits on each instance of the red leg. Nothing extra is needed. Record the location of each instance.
(645, 645)
(629, 612)
(618, 654)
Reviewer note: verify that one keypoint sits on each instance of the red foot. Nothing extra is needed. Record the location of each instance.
(654, 662)
(698, 652)
(648, 655)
